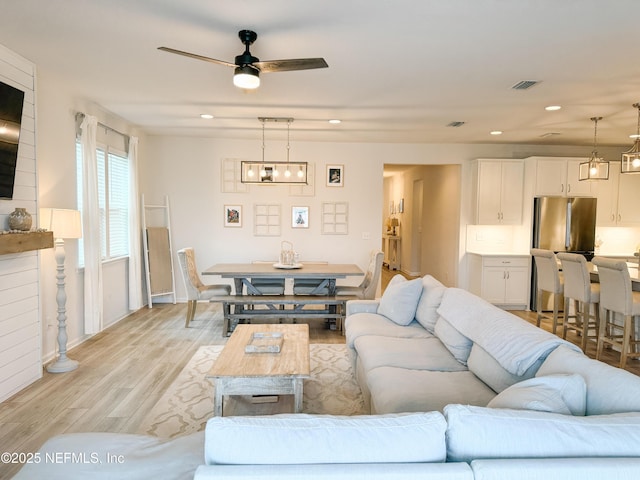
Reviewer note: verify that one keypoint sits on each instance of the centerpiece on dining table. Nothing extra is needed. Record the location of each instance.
(288, 256)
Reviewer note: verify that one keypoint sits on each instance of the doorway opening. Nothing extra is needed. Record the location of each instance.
(424, 202)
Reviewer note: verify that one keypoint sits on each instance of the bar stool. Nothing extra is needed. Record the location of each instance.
(548, 280)
(616, 296)
(578, 287)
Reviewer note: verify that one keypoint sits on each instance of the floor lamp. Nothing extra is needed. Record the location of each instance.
(64, 224)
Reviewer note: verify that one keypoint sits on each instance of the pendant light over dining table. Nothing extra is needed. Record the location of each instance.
(278, 172)
(595, 168)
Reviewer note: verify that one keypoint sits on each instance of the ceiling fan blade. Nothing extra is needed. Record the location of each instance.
(197, 57)
(291, 64)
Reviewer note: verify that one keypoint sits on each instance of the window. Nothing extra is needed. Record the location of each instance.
(113, 201)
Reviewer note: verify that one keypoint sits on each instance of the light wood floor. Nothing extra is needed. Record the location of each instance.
(125, 370)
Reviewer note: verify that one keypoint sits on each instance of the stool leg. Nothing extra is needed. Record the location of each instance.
(604, 318)
(539, 307)
(556, 308)
(565, 320)
(627, 333)
(584, 318)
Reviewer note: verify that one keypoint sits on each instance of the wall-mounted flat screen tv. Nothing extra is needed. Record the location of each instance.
(11, 103)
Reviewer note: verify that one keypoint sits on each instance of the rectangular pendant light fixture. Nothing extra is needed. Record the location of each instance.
(265, 173)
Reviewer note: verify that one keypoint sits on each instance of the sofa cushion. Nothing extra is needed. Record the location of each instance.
(426, 313)
(318, 439)
(400, 299)
(480, 433)
(413, 353)
(556, 469)
(563, 394)
(487, 369)
(456, 343)
(396, 389)
(341, 471)
(489, 326)
(362, 324)
(609, 389)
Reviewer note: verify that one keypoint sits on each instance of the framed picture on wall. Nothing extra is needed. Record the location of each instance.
(335, 175)
(233, 215)
(299, 217)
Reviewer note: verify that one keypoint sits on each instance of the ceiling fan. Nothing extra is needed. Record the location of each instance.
(248, 68)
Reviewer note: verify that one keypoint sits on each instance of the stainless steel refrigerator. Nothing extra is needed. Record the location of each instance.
(562, 224)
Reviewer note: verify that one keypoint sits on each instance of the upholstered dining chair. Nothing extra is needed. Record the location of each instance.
(367, 289)
(616, 296)
(196, 290)
(548, 279)
(585, 294)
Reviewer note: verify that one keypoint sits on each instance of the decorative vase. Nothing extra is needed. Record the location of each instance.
(20, 219)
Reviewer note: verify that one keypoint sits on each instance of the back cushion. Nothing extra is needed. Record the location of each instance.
(400, 300)
(315, 439)
(481, 433)
(609, 389)
(487, 369)
(562, 393)
(456, 343)
(432, 291)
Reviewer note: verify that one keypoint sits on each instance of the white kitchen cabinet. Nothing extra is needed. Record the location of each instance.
(618, 199)
(499, 191)
(557, 176)
(501, 280)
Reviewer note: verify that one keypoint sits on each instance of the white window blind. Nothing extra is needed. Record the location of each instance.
(113, 201)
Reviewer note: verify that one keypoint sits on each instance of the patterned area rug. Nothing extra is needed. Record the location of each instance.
(188, 402)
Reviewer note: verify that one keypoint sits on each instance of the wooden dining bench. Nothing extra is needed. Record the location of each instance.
(280, 307)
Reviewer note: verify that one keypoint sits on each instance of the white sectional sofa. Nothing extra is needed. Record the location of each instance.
(458, 389)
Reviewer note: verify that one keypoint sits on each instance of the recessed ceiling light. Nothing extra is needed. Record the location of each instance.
(335, 121)
(552, 108)
(206, 116)
(496, 132)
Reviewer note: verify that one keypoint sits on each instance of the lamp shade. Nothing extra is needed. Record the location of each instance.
(395, 222)
(62, 222)
(246, 77)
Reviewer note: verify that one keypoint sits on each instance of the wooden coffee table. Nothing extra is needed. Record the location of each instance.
(238, 373)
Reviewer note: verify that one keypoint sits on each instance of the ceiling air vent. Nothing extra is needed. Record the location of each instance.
(525, 84)
(455, 124)
(549, 134)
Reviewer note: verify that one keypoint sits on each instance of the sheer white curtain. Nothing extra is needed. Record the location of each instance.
(135, 275)
(91, 228)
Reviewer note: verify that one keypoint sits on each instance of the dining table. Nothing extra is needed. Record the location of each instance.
(243, 273)
(322, 293)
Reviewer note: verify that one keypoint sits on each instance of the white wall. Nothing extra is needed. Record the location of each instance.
(188, 170)
(56, 163)
(19, 282)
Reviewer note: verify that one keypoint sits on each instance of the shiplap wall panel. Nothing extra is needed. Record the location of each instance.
(20, 322)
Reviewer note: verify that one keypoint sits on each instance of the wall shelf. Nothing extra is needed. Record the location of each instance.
(24, 242)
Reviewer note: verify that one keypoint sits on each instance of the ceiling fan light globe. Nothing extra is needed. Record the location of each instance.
(246, 77)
